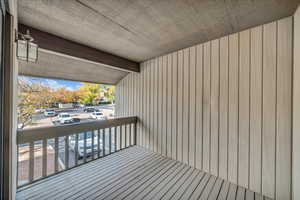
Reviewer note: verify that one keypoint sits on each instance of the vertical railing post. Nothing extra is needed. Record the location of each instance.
(125, 143)
(121, 137)
(109, 140)
(76, 149)
(67, 152)
(93, 144)
(115, 137)
(84, 147)
(103, 141)
(31, 161)
(44, 171)
(98, 143)
(56, 154)
(135, 132)
(130, 132)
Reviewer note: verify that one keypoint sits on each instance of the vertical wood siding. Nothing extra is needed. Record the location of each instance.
(223, 106)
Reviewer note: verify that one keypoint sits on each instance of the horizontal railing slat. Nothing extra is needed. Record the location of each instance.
(35, 134)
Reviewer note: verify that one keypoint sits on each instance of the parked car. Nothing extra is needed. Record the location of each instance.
(39, 110)
(98, 115)
(79, 105)
(65, 118)
(49, 113)
(80, 149)
(89, 109)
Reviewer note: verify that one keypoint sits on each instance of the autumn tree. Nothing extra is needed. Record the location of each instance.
(89, 92)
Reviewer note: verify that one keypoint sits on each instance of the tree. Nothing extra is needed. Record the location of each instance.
(89, 92)
(30, 97)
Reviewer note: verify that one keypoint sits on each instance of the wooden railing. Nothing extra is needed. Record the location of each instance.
(45, 151)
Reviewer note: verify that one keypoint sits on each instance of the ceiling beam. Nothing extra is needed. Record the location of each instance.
(57, 44)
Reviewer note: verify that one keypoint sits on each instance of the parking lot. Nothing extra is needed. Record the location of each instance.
(39, 120)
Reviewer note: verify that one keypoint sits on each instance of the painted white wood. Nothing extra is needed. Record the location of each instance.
(179, 106)
(233, 108)
(223, 114)
(174, 104)
(206, 106)
(269, 109)
(192, 108)
(155, 105)
(169, 106)
(296, 108)
(186, 97)
(199, 105)
(256, 109)
(244, 108)
(215, 106)
(284, 108)
(160, 95)
(224, 106)
(164, 106)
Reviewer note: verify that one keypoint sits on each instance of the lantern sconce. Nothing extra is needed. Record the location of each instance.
(27, 50)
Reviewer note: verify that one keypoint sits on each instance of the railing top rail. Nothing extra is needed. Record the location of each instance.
(36, 134)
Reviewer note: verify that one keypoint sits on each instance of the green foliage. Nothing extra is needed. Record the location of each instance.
(88, 93)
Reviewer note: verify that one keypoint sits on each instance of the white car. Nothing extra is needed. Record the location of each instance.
(65, 118)
(80, 149)
(49, 113)
(98, 115)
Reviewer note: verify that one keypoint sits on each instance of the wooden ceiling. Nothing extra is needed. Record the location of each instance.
(142, 29)
(60, 66)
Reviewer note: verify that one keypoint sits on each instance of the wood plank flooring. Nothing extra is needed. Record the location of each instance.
(134, 173)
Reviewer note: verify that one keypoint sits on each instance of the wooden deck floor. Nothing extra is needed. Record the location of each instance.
(135, 173)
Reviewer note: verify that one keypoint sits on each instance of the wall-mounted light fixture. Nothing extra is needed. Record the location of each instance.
(27, 50)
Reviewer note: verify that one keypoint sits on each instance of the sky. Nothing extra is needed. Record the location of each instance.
(53, 83)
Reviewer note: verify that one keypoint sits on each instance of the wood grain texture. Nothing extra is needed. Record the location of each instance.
(199, 106)
(269, 108)
(244, 107)
(186, 97)
(233, 108)
(284, 108)
(230, 109)
(223, 135)
(296, 107)
(215, 106)
(206, 106)
(256, 109)
(135, 173)
(58, 44)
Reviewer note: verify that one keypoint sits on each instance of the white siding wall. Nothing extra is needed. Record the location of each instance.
(223, 106)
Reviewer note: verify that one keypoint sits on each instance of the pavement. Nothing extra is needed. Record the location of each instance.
(39, 120)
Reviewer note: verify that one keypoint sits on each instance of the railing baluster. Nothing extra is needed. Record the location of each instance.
(56, 154)
(115, 137)
(98, 143)
(121, 137)
(67, 152)
(109, 140)
(44, 171)
(103, 142)
(93, 145)
(31, 161)
(125, 144)
(130, 143)
(135, 130)
(76, 149)
(84, 147)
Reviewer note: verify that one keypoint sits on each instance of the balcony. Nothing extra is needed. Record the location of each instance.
(113, 167)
